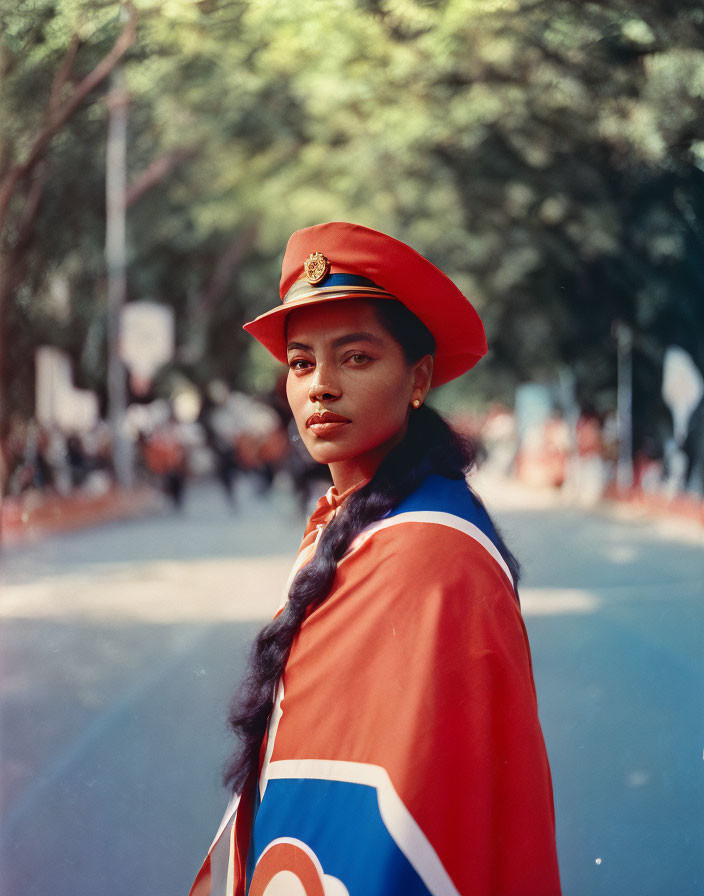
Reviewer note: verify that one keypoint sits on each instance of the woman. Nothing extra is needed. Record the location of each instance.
(388, 728)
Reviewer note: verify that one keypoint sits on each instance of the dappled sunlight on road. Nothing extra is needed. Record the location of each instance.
(552, 601)
(194, 590)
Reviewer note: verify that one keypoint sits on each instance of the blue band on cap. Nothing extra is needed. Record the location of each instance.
(348, 280)
(336, 285)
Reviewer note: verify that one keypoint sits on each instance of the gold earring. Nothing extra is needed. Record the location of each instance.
(416, 403)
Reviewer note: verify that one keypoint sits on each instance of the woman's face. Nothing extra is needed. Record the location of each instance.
(342, 359)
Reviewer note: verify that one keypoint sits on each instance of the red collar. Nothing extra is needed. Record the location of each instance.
(328, 505)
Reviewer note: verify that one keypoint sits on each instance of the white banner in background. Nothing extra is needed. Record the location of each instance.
(57, 402)
(146, 337)
(682, 388)
(53, 381)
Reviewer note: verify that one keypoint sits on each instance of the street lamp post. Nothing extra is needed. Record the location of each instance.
(624, 405)
(116, 262)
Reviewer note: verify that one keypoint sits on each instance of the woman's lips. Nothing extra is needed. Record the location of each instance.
(326, 423)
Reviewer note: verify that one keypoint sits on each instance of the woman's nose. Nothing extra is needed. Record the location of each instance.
(323, 387)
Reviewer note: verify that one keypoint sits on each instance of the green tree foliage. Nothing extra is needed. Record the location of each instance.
(548, 155)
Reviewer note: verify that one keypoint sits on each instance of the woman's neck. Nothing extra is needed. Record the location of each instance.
(356, 470)
(346, 475)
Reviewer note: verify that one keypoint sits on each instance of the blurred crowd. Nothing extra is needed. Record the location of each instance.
(40, 458)
(579, 455)
(222, 434)
(227, 434)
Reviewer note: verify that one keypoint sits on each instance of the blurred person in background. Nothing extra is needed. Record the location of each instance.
(165, 457)
(588, 462)
(219, 438)
(388, 732)
(77, 460)
(558, 445)
(694, 451)
(26, 452)
(500, 436)
(648, 466)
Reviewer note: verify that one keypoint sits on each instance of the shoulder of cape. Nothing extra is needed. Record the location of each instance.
(440, 501)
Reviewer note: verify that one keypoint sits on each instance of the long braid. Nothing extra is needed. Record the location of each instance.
(429, 446)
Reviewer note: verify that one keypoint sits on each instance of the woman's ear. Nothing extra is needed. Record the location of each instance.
(422, 376)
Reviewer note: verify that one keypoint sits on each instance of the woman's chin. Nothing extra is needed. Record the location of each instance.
(328, 454)
(335, 451)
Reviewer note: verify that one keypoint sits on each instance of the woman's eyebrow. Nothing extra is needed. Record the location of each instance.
(357, 337)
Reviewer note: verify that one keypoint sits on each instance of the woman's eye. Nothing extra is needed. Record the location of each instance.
(298, 364)
(359, 358)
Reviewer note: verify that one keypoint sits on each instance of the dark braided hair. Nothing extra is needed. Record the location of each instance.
(430, 446)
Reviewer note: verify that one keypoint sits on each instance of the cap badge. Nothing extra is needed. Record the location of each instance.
(316, 267)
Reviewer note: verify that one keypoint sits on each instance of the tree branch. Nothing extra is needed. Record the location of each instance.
(29, 212)
(221, 275)
(58, 113)
(61, 77)
(157, 171)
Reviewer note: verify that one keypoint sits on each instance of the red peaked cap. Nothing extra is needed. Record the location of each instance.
(377, 267)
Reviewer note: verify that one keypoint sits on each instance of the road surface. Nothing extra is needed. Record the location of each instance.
(120, 648)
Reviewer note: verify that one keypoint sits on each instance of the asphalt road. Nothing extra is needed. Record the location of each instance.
(119, 648)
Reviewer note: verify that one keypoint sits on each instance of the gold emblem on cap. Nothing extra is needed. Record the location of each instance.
(316, 267)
